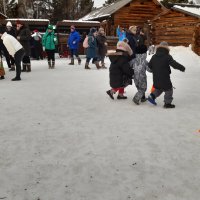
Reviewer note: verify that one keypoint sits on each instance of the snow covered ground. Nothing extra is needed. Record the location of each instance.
(63, 138)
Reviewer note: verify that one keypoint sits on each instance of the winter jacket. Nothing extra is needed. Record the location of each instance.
(12, 32)
(92, 49)
(11, 44)
(141, 48)
(49, 40)
(160, 66)
(119, 68)
(132, 42)
(102, 48)
(73, 40)
(25, 36)
(121, 35)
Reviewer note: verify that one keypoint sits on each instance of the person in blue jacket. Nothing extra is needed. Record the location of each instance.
(73, 44)
(121, 33)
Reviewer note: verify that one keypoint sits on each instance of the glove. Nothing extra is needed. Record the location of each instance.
(55, 39)
(74, 42)
(43, 48)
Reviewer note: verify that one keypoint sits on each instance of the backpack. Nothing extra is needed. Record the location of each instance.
(85, 42)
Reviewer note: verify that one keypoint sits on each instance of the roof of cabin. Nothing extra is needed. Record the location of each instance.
(106, 11)
(192, 10)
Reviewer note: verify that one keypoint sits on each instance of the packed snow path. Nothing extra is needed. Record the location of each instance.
(63, 138)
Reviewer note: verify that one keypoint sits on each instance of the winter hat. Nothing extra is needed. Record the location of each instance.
(93, 30)
(35, 31)
(122, 46)
(133, 29)
(9, 24)
(163, 43)
(2, 29)
(50, 27)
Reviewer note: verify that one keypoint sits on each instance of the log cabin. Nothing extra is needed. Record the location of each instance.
(179, 26)
(176, 24)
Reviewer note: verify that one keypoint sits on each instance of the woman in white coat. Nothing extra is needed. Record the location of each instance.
(15, 49)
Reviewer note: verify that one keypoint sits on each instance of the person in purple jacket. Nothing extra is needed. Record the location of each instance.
(73, 44)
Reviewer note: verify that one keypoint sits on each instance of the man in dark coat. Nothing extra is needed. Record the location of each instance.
(24, 36)
(160, 66)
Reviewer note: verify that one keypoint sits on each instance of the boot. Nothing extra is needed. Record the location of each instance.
(110, 94)
(72, 61)
(87, 65)
(23, 67)
(28, 68)
(49, 64)
(103, 66)
(53, 64)
(12, 68)
(97, 65)
(169, 105)
(79, 60)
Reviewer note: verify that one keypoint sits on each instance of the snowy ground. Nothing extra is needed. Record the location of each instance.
(63, 138)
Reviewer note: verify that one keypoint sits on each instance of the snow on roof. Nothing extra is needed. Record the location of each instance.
(194, 11)
(81, 21)
(23, 19)
(106, 11)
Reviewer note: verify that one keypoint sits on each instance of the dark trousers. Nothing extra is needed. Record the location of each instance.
(74, 52)
(50, 55)
(18, 59)
(168, 97)
(26, 60)
(93, 61)
(7, 56)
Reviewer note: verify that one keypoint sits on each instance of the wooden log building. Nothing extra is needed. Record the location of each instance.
(177, 25)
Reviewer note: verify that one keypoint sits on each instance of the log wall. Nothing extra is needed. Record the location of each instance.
(174, 27)
(136, 13)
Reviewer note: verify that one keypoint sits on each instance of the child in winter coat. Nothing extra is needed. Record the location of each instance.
(119, 69)
(160, 66)
(139, 65)
(121, 33)
(49, 42)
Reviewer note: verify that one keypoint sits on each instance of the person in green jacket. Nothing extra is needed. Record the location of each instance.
(49, 42)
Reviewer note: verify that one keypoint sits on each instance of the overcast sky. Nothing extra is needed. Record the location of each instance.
(98, 3)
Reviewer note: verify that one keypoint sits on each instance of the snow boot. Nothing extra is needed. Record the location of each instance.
(97, 65)
(110, 93)
(23, 67)
(49, 64)
(79, 60)
(2, 77)
(28, 68)
(121, 97)
(143, 99)
(72, 62)
(136, 101)
(151, 99)
(53, 65)
(103, 66)
(87, 65)
(12, 68)
(169, 105)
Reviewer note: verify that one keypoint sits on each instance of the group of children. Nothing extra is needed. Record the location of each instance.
(124, 68)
